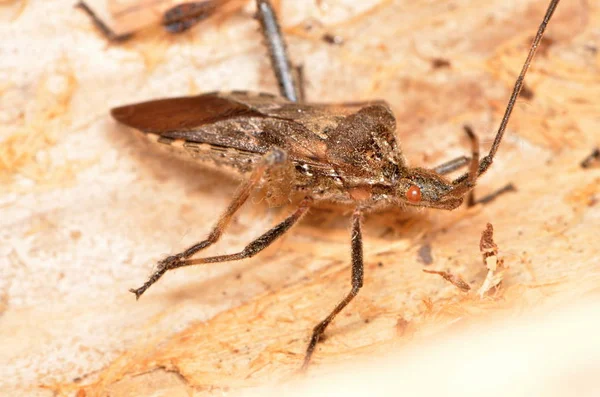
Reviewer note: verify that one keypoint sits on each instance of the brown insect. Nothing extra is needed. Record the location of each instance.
(126, 17)
(345, 153)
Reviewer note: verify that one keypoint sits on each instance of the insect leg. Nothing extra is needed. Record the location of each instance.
(300, 86)
(357, 283)
(275, 157)
(249, 251)
(471, 201)
(464, 187)
(275, 42)
(452, 165)
(460, 162)
(102, 27)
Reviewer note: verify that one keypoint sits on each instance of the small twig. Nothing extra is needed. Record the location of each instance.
(592, 160)
(457, 281)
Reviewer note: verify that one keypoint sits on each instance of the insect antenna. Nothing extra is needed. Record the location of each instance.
(488, 159)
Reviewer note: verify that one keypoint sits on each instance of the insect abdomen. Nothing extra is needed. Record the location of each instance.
(208, 155)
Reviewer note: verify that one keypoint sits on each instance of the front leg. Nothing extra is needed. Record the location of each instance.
(357, 283)
(462, 161)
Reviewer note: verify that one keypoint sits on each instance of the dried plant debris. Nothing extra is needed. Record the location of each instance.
(491, 261)
(402, 326)
(440, 63)
(126, 18)
(494, 264)
(592, 161)
(334, 39)
(457, 281)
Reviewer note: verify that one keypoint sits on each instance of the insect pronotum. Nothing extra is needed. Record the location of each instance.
(344, 153)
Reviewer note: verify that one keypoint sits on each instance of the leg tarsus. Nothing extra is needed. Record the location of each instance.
(273, 158)
(262, 242)
(471, 201)
(319, 329)
(357, 283)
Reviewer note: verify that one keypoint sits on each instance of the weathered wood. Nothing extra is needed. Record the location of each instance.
(86, 210)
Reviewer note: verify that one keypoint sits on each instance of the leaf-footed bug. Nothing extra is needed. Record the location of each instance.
(344, 153)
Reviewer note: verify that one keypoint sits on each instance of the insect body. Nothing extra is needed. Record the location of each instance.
(345, 153)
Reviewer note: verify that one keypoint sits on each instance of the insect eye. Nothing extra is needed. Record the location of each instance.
(413, 194)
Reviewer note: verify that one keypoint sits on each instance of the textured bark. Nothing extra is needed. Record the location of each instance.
(87, 209)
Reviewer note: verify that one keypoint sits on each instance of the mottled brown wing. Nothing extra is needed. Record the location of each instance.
(337, 139)
(181, 114)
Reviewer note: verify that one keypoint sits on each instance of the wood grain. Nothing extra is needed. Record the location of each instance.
(87, 209)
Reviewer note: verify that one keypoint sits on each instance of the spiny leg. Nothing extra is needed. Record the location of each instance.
(357, 283)
(275, 42)
(452, 165)
(274, 158)
(488, 198)
(460, 189)
(462, 161)
(255, 246)
(487, 160)
(459, 162)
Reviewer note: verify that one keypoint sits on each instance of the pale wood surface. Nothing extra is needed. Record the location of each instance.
(86, 209)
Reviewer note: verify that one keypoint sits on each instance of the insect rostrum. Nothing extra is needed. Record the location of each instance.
(345, 153)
